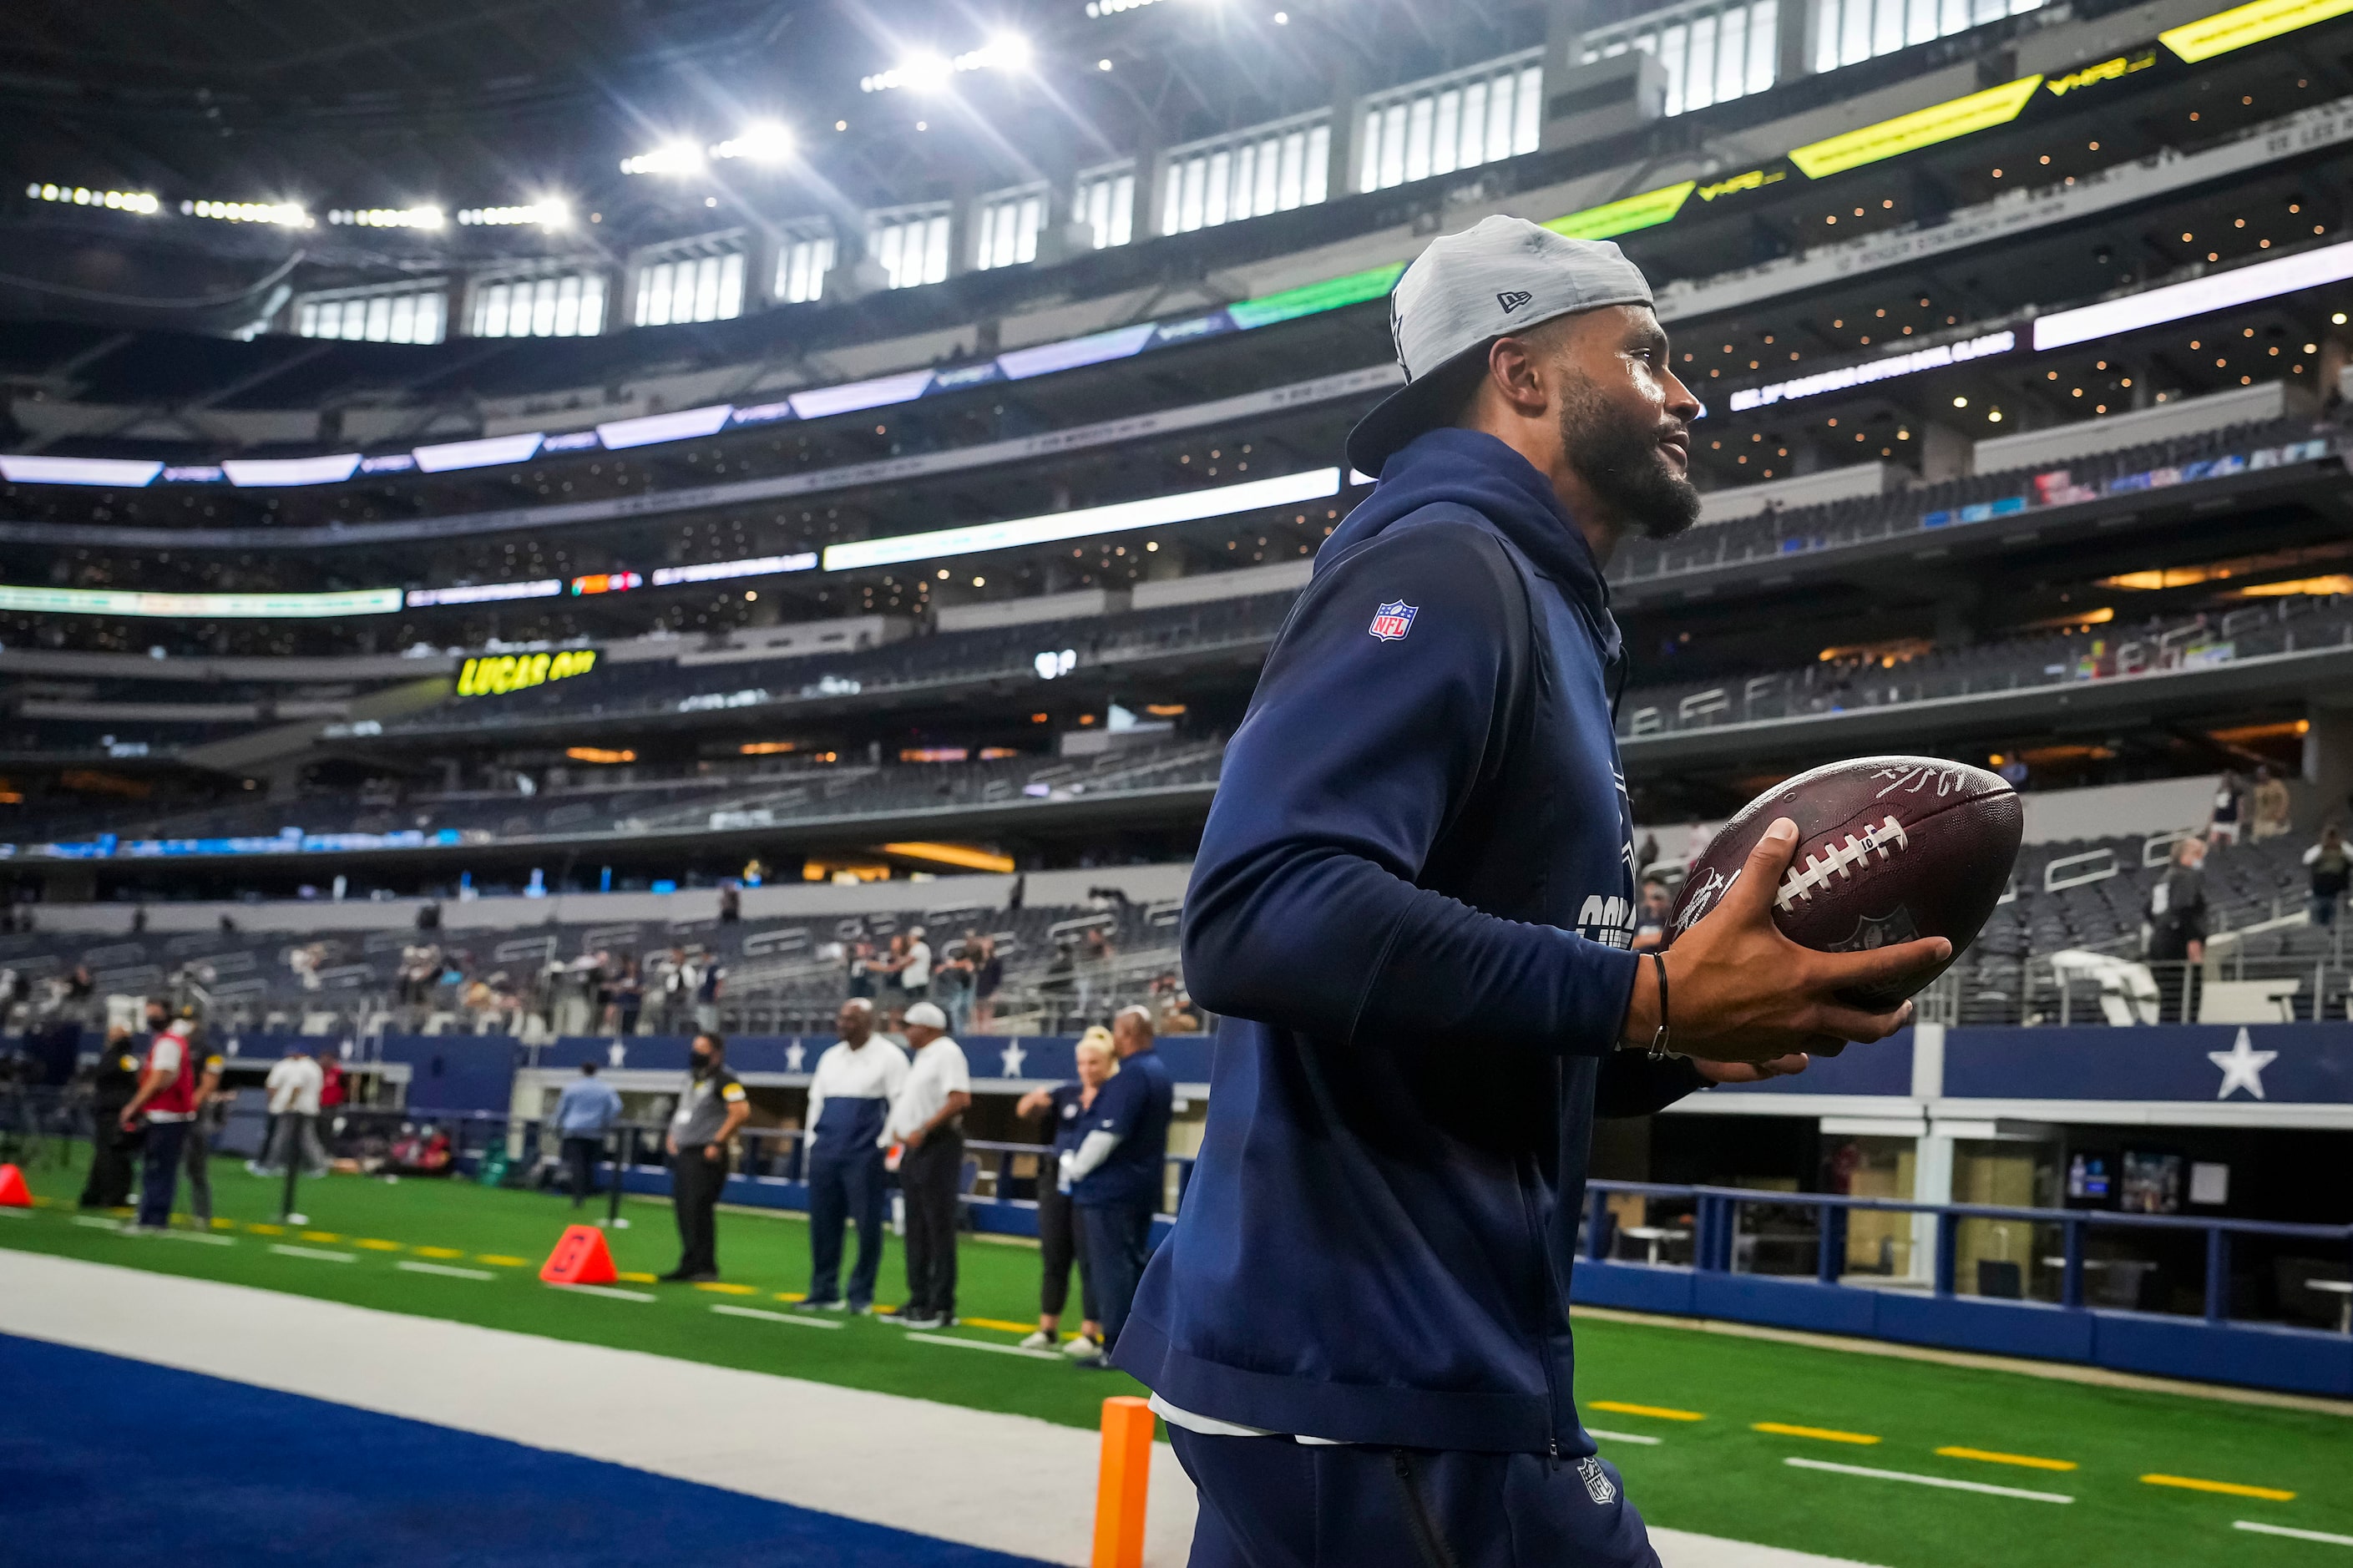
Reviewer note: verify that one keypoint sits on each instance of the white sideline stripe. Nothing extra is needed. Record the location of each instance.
(313, 1253)
(15, 1213)
(97, 1223)
(1624, 1436)
(410, 1265)
(981, 1345)
(1945, 1481)
(1021, 1485)
(2320, 1535)
(767, 1317)
(614, 1291)
(198, 1237)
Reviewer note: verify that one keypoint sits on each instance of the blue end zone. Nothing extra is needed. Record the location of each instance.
(105, 1461)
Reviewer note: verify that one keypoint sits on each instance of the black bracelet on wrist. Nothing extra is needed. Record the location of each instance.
(1661, 1034)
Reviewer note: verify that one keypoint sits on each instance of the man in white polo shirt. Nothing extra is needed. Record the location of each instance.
(293, 1086)
(926, 1123)
(850, 1100)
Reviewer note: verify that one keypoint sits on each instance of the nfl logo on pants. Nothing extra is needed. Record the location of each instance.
(1392, 621)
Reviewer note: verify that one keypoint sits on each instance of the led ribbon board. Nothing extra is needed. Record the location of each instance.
(2218, 292)
(1921, 128)
(200, 607)
(2244, 24)
(1154, 512)
(1647, 210)
(512, 671)
(1855, 375)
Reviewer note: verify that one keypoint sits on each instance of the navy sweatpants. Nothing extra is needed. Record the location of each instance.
(1268, 1502)
(842, 1191)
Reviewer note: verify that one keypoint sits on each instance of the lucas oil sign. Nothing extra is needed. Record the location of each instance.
(514, 672)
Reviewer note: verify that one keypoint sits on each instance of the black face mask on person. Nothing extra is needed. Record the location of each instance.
(704, 1061)
(1616, 451)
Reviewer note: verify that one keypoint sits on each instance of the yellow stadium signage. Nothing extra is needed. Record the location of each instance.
(2116, 69)
(1921, 128)
(514, 672)
(1754, 180)
(2244, 24)
(1626, 215)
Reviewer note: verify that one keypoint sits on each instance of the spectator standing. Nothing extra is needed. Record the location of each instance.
(848, 1103)
(678, 983)
(926, 1123)
(2177, 939)
(2271, 806)
(2332, 869)
(293, 1087)
(113, 1156)
(1650, 916)
(212, 1109)
(629, 996)
(859, 981)
(730, 905)
(916, 968)
(952, 984)
(988, 976)
(585, 1114)
(331, 1082)
(1115, 1172)
(709, 980)
(710, 1110)
(2223, 827)
(1065, 1107)
(166, 1102)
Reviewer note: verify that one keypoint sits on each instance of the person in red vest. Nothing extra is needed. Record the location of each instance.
(330, 1081)
(166, 1100)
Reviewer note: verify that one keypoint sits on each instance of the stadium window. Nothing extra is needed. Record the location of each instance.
(569, 304)
(699, 279)
(1712, 52)
(1459, 121)
(1273, 167)
(802, 259)
(1006, 225)
(389, 313)
(910, 244)
(1849, 32)
(1105, 200)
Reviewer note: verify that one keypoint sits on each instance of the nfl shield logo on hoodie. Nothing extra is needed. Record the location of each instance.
(1391, 622)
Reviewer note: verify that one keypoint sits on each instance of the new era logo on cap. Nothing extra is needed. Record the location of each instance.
(1512, 299)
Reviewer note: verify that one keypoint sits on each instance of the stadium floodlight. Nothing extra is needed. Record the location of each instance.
(285, 215)
(200, 607)
(669, 158)
(1847, 377)
(1113, 8)
(547, 213)
(1120, 516)
(141, 202)
(389, 217)
(763, 142)
(928, 72)
(2217, 291)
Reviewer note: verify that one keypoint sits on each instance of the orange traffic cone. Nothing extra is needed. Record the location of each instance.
(1122, 1483)
(13, 1192)
(581, 1258)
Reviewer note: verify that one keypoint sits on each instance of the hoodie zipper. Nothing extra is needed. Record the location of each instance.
(1545, 1298)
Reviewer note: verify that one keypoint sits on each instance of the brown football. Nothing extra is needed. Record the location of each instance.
(1889, 848)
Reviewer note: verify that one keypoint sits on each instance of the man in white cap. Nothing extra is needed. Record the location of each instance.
(1414, 908)
(926, 1123)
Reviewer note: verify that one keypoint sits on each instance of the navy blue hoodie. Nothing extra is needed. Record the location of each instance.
(1412, 905)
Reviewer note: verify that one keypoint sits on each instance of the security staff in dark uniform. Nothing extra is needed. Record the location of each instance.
(1117, 1170)
(114, 1153)
(708, 1114)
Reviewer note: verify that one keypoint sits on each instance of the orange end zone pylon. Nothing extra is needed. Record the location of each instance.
(13, 1191)
(1124, 1483)
(581, 1258)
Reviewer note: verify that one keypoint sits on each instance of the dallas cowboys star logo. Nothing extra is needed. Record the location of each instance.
(794, 1056)
(2242, 1067)
(616, 1055)
(1009, 1061)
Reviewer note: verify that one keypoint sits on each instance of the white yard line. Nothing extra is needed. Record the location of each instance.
(983, 1345)
(1947, 1482)
(797, 1319)
(316, 1255)
(614, 1291)
(1624, 1437)
(2320, 1535)
(410, 1265)
(1018, 1485)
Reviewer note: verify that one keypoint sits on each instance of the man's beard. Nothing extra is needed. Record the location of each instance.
(1617, 453)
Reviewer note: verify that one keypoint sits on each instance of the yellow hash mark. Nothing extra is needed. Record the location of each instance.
(1004, 1325)
(321, 1235)
(781, 1295)
(376, 1244)
(440, 1252)
(723, 1288)
(502, 1260)
(270, 1230)
(220, 1224)
(634, 1277)
(1661, 1410)
(2024, 1461)
(1824, 1434)
(2227, 1489)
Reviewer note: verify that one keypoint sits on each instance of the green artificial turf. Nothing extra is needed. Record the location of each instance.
(1717, 1474)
